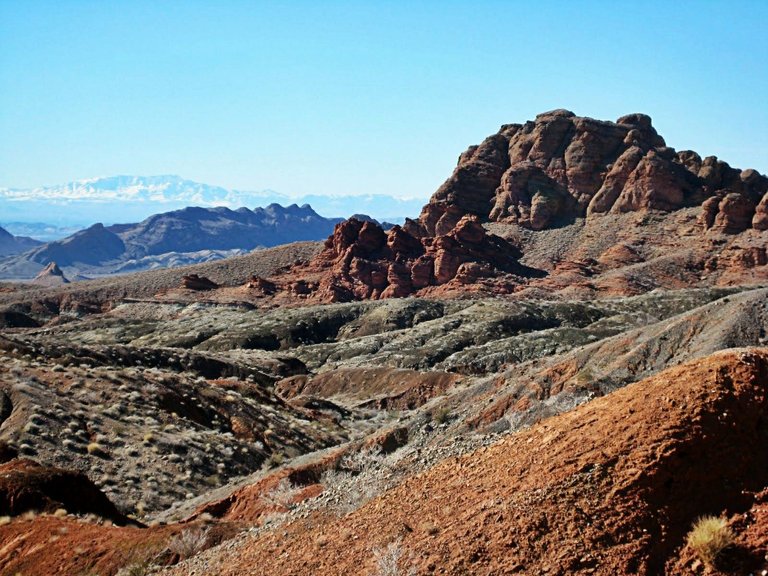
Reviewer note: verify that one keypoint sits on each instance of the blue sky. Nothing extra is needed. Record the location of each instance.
(358, 97)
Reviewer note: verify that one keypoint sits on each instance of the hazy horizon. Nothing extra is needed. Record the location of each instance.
(348, 97)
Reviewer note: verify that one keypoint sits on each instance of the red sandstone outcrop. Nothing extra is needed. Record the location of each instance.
(734, 213)
(561, 166)
(261, 285)
(760, 219)
(361, 261)
(542, 175)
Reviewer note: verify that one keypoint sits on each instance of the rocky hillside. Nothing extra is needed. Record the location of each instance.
(609, 488)
(183, 236)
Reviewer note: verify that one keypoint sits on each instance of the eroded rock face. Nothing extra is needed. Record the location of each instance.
(472, 186)
(734, 213)
(361, 261)
(528, 196)
(561, 166)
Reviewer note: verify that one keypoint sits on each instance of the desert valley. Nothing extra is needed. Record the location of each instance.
(558, 367)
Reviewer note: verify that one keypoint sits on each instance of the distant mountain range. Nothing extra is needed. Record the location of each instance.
(39, 230)
(172, 238)
(131, 198)
(10, 244)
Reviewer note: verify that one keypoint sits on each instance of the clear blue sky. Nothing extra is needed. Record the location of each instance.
(358, 97)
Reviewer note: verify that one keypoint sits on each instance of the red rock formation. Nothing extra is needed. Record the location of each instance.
(734, 213)
(361, 261)
(561, 166)
(760, 219)
(542, 175)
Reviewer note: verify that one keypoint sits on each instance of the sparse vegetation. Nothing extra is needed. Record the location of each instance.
(96, 449)
(275, 459)
(189, 542)
(282, 494)
(390, 562)
(441, 415)
(709, 537)
(361, 459)
(585, 376)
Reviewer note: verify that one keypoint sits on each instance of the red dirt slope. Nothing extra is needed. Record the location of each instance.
(611, 487)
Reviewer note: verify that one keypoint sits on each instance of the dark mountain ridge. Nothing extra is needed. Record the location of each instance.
(221, 231)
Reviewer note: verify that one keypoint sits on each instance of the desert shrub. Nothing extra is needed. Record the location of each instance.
(441, 415)
(363, 459)
(282, 494)
(709, 537)
(390, 561)
(275, 459)
(332, 478)
(188, 543)
(585, 376)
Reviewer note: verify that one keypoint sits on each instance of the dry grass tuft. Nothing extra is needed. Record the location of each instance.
(188, 543)
(96, 449)
(282, 495)
(709, 537)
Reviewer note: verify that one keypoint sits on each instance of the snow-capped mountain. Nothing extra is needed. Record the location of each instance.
(118, 199)
(154, 189)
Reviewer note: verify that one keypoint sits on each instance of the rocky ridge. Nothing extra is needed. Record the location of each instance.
(51, 275)
(578, 503)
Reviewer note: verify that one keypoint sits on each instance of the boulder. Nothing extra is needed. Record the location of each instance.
(735, 213)
(760, 219)
(195, 282)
